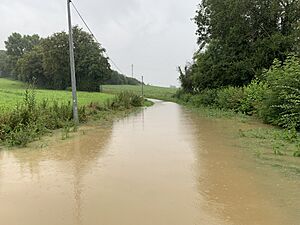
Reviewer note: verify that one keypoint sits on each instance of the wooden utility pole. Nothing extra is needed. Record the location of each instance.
(72, 66)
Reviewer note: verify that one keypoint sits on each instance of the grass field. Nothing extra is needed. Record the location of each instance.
(154, 92)
(12, 92)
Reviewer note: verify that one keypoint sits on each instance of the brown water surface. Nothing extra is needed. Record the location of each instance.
(162, 166)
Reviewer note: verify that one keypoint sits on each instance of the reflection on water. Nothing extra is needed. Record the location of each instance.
(162, 166)
(44, 186)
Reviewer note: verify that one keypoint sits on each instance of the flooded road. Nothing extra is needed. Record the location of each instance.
(161, 166)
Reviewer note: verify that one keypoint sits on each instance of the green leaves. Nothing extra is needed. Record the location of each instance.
(238, 39)
(284, 95)
(46, 61)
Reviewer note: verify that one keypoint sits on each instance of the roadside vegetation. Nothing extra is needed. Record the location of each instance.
(274, 98)
(161, 93)
(38, 112)
(248, 68)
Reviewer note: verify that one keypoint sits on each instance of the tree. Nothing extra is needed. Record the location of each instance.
(92, 67)
(16, 46)
(119, 79)
(48, 63)
(30, 67)
(239, 38)
(3, 63)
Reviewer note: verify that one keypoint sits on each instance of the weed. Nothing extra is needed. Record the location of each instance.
(31, 119)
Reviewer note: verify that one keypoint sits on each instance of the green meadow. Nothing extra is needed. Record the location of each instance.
(12, 93)
(162, 93)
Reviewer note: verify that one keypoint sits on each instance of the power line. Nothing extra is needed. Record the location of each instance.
(85, 23)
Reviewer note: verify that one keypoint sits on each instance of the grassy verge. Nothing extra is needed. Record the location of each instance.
(271, 146)
(161, 93)
(32, 118)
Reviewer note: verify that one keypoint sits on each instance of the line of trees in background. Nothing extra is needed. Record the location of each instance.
(45, 61)
(248, 59)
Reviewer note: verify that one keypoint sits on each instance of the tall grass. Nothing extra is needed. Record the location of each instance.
(30, 119)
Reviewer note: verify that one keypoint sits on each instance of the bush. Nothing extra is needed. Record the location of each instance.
(125, 100)
(30, 120)
(207, 97)
(282, 103)
(254, 95)
(230, 98)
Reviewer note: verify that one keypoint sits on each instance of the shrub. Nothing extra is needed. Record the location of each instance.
(30, 120)
(230, 98)
(282, 102)
(207, 97)
(125, 100)
(254, 94)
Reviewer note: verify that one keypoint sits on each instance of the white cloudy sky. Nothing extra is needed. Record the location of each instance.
(154, 35)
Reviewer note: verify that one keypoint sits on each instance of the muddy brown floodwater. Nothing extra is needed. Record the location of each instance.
(161, 166)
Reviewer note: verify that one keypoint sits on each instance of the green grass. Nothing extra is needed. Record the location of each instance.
(153, 92)
(273, 146)
(12, 93)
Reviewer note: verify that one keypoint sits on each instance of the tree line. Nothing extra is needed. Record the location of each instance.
(248, 59)
(238, 39)
(45, 61)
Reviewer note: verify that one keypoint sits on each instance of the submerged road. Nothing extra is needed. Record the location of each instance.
(161, 166)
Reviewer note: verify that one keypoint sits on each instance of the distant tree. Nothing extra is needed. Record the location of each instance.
(16, 46)
(30, 67)
(55, 51)
(3, 63)
(120, 79)
(92, 67)
(133, 81)
(48, 63)
(186, 78)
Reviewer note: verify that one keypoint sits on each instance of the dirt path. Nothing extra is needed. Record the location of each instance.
(161, 166)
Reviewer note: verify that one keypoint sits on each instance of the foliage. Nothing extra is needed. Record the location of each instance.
(125, 100)
(254, 94)
(30, 67)
(238, 39)
(46, 61)
(30, 119)
(282, 101)
(275, 98)
(16, 46)
(230, 98)
(120, 79)
(3, 63)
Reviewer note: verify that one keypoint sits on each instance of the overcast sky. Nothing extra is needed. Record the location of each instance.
(154, 35)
